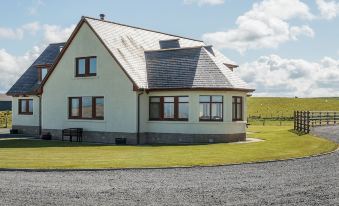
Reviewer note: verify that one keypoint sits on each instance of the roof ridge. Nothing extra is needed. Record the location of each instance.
(150, 30)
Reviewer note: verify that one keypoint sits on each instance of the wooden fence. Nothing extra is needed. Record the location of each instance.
(304, 120)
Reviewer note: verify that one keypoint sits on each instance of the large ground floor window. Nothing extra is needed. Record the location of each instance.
(211, 108)
(168, 108)
(86, 107)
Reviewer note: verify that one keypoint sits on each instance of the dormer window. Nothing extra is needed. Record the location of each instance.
(85, 66)
(169, 44)
(42, 71)
(231, 66)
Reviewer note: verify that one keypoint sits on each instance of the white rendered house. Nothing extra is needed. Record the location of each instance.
(119, 81)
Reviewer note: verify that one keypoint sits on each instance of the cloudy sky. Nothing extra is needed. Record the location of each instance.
(283, 47)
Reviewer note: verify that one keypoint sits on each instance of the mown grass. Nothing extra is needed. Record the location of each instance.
(279, 144)
(267, 107)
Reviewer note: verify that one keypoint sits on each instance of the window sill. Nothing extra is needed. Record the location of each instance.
(26, 114)
(88, 77)
(87, 120)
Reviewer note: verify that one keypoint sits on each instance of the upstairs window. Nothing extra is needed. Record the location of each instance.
(168, 108)
(86, 108)
(237, 108)
(26, 106)
(211, 108)
(85, 66)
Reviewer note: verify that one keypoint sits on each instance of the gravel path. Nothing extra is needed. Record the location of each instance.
(331, 132)
(310, 181)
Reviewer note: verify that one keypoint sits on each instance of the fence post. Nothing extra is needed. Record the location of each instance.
(335, 118)
(294, 120)
(308, 122)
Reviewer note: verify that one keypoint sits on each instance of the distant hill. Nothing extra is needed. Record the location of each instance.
(284, 107)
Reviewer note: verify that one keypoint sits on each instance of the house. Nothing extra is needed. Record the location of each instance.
(120, 81)
(5, 103)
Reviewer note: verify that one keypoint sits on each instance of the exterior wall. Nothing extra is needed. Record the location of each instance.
(111, 82)
(27, 124)
(193, 125)
(120, 119)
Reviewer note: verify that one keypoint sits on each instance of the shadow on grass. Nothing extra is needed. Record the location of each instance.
(36, 143)
(297, 133)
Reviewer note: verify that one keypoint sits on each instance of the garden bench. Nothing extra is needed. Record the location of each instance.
(72, 132)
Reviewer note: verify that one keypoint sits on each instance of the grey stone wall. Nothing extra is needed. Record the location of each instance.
(27, 130)
(153, 138)
(98, 137)
(173, 138)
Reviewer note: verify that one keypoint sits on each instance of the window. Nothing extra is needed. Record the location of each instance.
(26, 106)
(168, 108)
(42, 71)
(86, 108)
(85, 66)
(237, 108)
(211, 108)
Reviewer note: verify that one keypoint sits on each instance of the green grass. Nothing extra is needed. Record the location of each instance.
(284, 107)
(279, 144)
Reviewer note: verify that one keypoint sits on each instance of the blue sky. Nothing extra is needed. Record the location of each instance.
(283, 47)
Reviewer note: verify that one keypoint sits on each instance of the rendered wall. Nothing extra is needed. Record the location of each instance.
(110, 82)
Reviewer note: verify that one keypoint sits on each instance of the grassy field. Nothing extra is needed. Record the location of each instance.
(267, 107)
(279, 144)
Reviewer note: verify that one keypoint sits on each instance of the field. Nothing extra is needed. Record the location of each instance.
(267, 107)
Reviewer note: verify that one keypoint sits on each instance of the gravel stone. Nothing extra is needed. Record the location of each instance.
(308, 181)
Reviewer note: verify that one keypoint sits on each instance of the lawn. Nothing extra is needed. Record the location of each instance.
(279, 144)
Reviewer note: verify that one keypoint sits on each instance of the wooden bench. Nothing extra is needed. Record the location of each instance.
(72, 132)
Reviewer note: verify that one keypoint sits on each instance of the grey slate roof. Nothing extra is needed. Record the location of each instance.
(28, 82)
(183, 68)
(131, 45)
(142, 55)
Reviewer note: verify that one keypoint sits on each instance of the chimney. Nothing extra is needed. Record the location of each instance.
(102, 16)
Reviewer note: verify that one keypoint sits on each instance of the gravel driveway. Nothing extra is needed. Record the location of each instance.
(310, 181)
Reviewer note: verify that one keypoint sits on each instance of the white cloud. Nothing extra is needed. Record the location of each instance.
(12, 66)
(9, 33)
(54, 33)
(275, 76)
(32, 27)
(19, 33)
(36, 5)
(328, 9)
(264, 26)
(204, 2)
(296, 31)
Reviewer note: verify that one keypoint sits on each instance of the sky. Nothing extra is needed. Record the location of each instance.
(283, 47)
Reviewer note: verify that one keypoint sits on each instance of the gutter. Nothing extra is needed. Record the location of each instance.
(138, 117)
